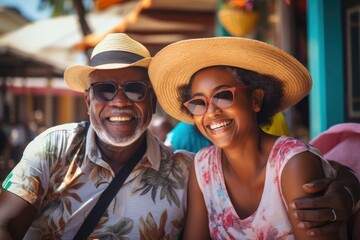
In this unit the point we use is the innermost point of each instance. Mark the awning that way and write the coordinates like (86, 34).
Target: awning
(39, 86)
(51, 41)
(17, 63)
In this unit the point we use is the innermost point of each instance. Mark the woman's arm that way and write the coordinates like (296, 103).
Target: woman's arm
(315, 213)
(300, 169)
(196, 224)
(16, 216)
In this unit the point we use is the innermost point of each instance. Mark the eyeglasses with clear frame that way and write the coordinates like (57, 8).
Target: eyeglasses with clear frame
(223, 98)
(135, 91)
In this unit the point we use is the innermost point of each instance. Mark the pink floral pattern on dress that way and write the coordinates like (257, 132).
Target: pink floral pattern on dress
(270, 220)
(206, 177)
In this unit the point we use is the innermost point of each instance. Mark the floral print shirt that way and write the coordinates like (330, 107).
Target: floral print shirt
(63, 174)
(270, 220)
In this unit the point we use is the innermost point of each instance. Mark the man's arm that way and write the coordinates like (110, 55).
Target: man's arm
(340, 195)
(16, 216)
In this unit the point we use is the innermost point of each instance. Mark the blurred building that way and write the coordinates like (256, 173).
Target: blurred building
(322, 34)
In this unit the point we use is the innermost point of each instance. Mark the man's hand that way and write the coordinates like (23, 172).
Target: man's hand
(324, 214)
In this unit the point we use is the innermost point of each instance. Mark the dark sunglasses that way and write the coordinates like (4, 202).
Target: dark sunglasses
(106, 91)
(223, 98)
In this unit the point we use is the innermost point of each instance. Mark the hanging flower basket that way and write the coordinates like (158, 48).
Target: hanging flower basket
(238, 17)
(238, 22)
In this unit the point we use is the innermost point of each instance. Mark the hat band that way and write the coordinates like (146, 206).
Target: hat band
(114, 57)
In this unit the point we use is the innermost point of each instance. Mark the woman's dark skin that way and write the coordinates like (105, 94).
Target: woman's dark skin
(315, 213)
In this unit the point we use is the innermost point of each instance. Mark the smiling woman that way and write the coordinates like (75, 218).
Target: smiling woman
(241, 187)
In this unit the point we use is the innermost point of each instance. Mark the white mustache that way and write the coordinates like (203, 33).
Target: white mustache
(116, 112)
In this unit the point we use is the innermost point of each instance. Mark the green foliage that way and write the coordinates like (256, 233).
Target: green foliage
(64, 7)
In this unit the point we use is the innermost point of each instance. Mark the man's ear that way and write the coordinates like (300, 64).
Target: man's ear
(87, 100)
(154, 101)
(258, 96)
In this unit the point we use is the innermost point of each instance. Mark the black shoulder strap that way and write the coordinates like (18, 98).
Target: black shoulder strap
(109, 193)
(87, 125)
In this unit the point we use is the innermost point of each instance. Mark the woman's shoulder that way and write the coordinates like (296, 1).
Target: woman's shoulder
(207, 156)
(286, 144)
(285, 148)
(205, 152)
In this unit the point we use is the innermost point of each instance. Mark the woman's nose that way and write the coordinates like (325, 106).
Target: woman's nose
(212, 108)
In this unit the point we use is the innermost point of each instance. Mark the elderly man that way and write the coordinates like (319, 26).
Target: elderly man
(68, 170)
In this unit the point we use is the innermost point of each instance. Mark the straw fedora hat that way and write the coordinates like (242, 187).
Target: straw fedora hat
(174, 65)
(116, 50)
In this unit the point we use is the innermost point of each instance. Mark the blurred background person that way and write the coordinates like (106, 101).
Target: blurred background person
(160, 126)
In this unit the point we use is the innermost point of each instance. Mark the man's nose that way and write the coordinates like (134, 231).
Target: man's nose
(120, 97)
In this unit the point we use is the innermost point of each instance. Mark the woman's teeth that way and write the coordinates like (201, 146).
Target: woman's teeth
(219, 125)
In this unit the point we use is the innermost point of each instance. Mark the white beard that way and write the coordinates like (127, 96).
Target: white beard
(116, 142)
(121, 142)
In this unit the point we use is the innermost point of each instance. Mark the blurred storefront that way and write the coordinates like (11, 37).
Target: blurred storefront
(33, 57)
(333, 53)
(323, 35)
(23, 96)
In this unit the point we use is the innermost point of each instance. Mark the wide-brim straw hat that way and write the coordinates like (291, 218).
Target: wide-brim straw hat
(116, 50)
(174, 65)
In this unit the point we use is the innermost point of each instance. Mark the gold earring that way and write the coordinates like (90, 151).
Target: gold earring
(257, 108)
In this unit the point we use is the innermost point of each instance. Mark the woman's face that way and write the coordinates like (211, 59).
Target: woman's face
(227, 126)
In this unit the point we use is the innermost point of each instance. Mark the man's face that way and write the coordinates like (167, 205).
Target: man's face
(120, 121)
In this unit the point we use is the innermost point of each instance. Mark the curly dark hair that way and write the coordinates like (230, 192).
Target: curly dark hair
(272, 87)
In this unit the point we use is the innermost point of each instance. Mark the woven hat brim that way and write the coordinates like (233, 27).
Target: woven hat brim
(76, 77)
(174, 65)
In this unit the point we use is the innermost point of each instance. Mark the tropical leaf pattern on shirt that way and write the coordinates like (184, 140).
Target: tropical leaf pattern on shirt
(100, 175)
(64, 184)
(57, 206)
(149, 230)
(116, 232)
(171, 175)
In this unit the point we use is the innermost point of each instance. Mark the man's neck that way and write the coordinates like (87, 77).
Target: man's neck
(117, 157)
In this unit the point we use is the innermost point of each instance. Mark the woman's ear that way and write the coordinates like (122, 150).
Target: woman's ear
(258, 96)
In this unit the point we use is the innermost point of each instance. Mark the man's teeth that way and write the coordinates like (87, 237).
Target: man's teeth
(219, 125)
(120, 119)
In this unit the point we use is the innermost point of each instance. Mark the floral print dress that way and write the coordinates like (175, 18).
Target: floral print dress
(270, 220)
